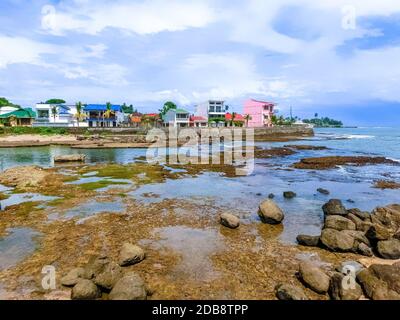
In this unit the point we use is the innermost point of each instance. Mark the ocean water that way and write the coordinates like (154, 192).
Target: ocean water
(242, 195)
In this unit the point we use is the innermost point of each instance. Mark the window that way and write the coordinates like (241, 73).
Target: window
(43, 113)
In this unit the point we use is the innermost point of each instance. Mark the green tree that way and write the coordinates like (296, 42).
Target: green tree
(4, 102)
(127, 109)
(79, 115)
(55, 101)
(167, 106)
(109, 112)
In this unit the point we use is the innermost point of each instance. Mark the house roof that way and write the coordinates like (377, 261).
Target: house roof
(20, 114)
(136, 119)
(262, 102)
(179, 110)
(102, 107)
(197, 119)
(238, 117)
(151, 114)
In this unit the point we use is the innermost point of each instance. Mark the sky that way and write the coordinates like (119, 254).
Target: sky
(337, 58)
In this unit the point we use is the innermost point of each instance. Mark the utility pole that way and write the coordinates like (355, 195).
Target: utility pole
(291, 114)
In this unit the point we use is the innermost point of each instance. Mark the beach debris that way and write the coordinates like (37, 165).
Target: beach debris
(70, 158)
(269, 212)
(130, 254)
(289, 292)
(229, 220)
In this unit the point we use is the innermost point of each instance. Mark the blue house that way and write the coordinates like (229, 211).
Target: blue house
(97, 115)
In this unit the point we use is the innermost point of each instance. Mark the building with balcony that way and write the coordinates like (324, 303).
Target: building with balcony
(56, 115)
(97, 115)
(260, 113)
(212, 110)
(176, 118)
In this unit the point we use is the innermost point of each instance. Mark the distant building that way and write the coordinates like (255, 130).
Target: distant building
(97, 115)
(17, 117)
(56, 115)
(260, 112)
(198, 121)
(212, 110)
(176, 118)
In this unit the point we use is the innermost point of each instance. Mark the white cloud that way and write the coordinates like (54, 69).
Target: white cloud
(144, 17)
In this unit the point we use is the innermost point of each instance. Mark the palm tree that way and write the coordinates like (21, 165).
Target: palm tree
(79, 115)
(247, 117)
(109, 112)
(145, 120)
(233, 118)
(54, 111)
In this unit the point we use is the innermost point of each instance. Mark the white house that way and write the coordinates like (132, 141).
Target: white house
(176, 118)
(57, 115)
(212, 109)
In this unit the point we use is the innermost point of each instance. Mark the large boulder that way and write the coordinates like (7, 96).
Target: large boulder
(109, 276)
(337, 240)
(381, 282)
(389, 249)
(130, 254)
(269, 212)
(70, 158)
(344, 288)
(377, 232)
(334, 207)
(229, 220)
(364, 250)
(314, 277)
(289, 292)
(306, 240)
(95, 266)
(85, 290)
(363, 215)
(72, 277)
(388, 216)
(339, 223)
(130, 287)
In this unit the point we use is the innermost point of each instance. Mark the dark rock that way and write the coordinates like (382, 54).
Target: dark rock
(323, 191)
(271, 196)
(130, 254)
(306, 240)
(334, 207)
(363, 215)
(344, 287)
(85, 290)
(109, 276)
(229, 220)
(350, 201)
(389, 249)
(377, 233)
(72, 277)
(289, 292)
(269, 212)
(289, 194)
(337, 240)
(339, 223)
(314, 277)
(130, 287)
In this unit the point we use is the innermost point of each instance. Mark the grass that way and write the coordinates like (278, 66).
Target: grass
(99, 184)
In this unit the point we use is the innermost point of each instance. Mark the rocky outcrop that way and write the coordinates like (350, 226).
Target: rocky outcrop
(303, 147)
(273, 152)
(85, 290)
(269, 212)
(24, 176)
(289, 292)
(109, 276)
(130, 254)
(339, 223)
(72, 277)
(334, 207)
(342, 288)
(229, 220)
(130, 287)
(383, 184)
(337, 240)
(389, 249)
(332, 162)
(381, 282)
(70, 158)
(314, 277)
(95, 266)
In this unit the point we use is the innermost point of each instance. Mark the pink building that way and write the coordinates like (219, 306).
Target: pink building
(260, 113)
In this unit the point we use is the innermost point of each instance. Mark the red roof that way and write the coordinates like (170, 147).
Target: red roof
(197, 119)
(238, 117)
(151, 114)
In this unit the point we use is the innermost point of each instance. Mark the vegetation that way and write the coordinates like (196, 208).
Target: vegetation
(281, 121)
(54, 112)
(167, 106)
(79, 115)
(55, 101)
(247, 118)
(99, 184)
(33, 130)
(128, 109)
(5, 103)
(324, 122)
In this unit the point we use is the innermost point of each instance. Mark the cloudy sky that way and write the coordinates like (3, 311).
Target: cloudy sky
(340, 58)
